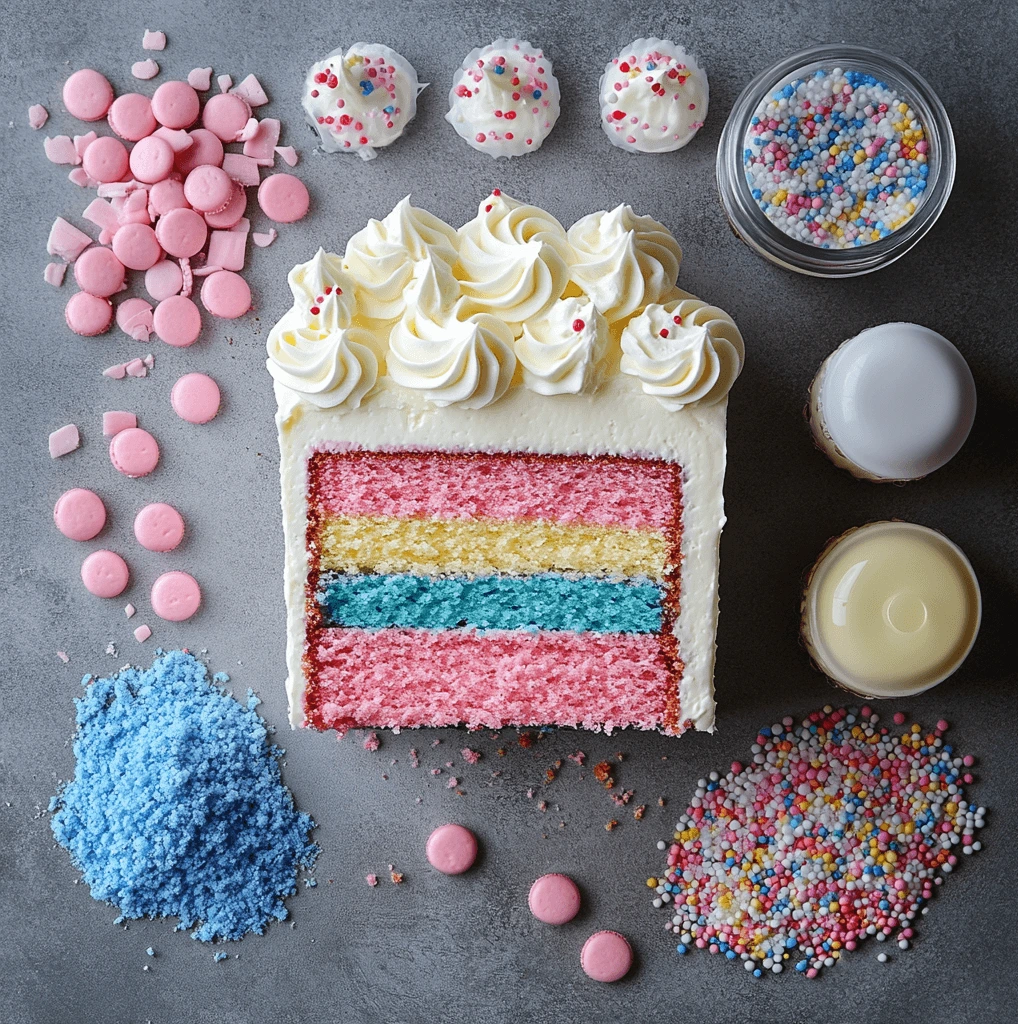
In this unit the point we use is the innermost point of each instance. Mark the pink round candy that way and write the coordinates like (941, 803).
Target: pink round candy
(134, 452)
(451, 849)
(182, 232)
(79, 514)
(87, 95)
(231, 213)
(98, 272)
(128, 310)
(166, 195)
(177, 321)
(606, 956)
(175, 596)
(225, 115)
(137, 247)
(205, 148)
(106, 159)
(554, 899)
(208, 188)
(175, 105)
(195, 398)
(104, 574)
(283, 198)
(130, 117)
(88, 315)
(159, 527)
(151, 159)
(164, 279)
(226, 294)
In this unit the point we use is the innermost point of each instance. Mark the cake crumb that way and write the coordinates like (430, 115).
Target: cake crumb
(530, 794)
(415, 761)
(603, 774)
(639, 812)
(371, 741)
(62, 655)
(622, 798)
(470, 756)
(542, 806)
(549, 775)
(452, 783)
(660, 801)
(396, 876)
(579, 757)
(611, 825)
(526, 740)
(436, 771)
(435, 743)
(372, 880)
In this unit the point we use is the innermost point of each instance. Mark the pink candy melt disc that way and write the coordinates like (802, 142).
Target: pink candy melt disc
(134, 452)
(175, 596)
(159, 527)
(208, 188)
(205, 148)
(177, 321)
(554, 899)
(87, 95)
(606, 956)
(451, 849)
(137, 247)
(88, 315)
(195, 398)
(104, 574)
(79, 514)
(181, 232)
(164, 279)
(226, 294)
(283, 198)
(175, 105)
(151, 159)
(99, 272)
(225, 116)
(130, 116)
(106, 160)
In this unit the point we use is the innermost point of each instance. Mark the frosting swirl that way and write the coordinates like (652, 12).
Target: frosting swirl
(329, 367)
(560, 351)
(381, 256)
(683, 352)
(623, 261)
(322, 292)
(467, 362)
(513, 260)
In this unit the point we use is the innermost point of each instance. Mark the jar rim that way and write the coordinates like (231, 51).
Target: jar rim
(751, 224)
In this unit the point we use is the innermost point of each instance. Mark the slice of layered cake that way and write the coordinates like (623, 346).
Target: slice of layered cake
(503, 451)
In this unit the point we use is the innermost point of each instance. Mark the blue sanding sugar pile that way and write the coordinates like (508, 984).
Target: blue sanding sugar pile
(177, 807)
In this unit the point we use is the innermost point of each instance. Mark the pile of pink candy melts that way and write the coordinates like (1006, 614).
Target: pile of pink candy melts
(171, 183)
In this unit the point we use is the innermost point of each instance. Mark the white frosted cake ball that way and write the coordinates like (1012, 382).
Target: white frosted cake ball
(653, 97)
(362, 100)
(504, 99)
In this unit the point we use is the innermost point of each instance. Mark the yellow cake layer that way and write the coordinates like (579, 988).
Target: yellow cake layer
(476, 546)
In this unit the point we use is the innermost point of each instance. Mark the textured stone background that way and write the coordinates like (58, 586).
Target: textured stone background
(466, 949)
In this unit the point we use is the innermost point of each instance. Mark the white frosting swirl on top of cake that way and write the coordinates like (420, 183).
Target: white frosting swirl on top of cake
(683, 352)
(623, 261)
(450, 360)
(561, 351)
(322, 292)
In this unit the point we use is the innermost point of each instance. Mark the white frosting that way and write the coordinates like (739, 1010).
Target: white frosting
(322, 292)
(560, 352)
(451, 361)
(653, 97)
(362, 100)
(504, 99)
(683, 352)
(623, 261)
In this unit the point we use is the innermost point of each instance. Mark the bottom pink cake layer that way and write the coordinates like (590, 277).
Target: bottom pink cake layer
(411, 677)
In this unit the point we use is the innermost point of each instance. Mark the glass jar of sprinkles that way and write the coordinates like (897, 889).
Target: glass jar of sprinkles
(835, 161)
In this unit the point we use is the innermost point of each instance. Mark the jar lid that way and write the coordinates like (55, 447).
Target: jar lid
(898, 401)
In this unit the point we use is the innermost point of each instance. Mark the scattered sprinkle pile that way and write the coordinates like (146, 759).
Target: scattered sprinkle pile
(177, 807)
(837, 831)
(836, 160)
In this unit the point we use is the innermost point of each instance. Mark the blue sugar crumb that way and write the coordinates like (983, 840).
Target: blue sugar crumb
(219, 957)
(177, 807)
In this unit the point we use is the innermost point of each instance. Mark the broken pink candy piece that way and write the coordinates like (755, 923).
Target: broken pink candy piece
(224, 82)
(175, 105)
(142, 633)
(131, 116)
(289, 155)
(79, 514)
(283, 198)
(116, 372)
(264, 238)
(163, 280)
(262, 145)
(88, 315)
(188, 276)
(54, 274)
(242, 169)
(134, 317)
(178, 139)
(159, 527)
(200, 79)
(60, 150)
(66, 241)
(62, 655)
(136, 368)
(87, 95)
(80, 178)
(242, 225)
(177, 321)
(153, 40)
(117, 189)
(82, 142)
(129, 610)
(149, 360)
(248, 131)
(63, 441)
(195, 398)
(251, 90)
(225, 115)
(175, 596)
(226, 249)
(134, 452)
(105, 574)
(205, 270)
(100, 213)
(145, 69)
(38, 115)
(226, 295)
(114, 422)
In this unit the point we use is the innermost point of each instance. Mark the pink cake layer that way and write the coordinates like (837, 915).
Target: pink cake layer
(411, 677)
(600, 490)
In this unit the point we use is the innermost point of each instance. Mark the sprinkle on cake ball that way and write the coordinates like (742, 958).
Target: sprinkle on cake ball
(838, 829)
(836, 160)
(653, 97)
(504, 99)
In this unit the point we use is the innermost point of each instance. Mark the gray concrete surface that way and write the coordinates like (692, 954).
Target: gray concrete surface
(466, 949)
